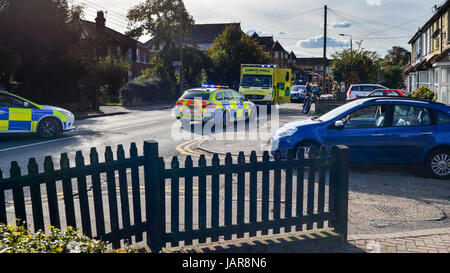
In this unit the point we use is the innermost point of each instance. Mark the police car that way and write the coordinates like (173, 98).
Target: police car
(214, 102)
(18, 115)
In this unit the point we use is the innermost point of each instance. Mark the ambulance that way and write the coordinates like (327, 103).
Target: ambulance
(266, 84)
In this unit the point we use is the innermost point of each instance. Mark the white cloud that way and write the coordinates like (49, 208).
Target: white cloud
(374, 2)
(335, 24)
(340, 24)
(259, 32)
(317, 42)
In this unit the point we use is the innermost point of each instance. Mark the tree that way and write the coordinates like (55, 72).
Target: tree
(161, 20)
(357, 66)
(392, 71)
(397, 56)
(38, 32)
(231, 49)
(393, 77)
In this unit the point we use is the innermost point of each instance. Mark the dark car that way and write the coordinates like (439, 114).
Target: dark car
(378, 130)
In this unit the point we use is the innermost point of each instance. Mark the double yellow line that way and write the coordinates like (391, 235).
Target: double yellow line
(186, 148)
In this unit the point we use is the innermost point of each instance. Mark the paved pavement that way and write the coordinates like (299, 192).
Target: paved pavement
(120, 110)
(420, 241)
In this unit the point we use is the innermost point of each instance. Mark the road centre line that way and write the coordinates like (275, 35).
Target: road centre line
(67, 138)
(35, 144)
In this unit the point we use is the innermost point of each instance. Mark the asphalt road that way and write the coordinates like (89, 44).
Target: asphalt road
(137, 126)
(382, 198)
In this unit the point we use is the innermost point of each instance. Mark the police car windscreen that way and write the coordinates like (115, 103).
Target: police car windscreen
(256, 81)
(196, 96)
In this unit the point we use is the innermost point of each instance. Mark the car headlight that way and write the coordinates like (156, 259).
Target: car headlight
(285, 132)
(67, 113)
(270, 95)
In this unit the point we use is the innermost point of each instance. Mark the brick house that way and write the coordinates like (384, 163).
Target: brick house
(430, 61)
(315, 63)
(277, 54)
(202, 36)
(101, 41)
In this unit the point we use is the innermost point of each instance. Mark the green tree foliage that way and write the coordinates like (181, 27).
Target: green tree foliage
(37, 31)
(357, 66)
(397, 56)
(161, 20)
(231, 49)
(106, 78)
(393, 77)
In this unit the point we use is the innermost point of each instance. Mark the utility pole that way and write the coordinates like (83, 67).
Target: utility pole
(325, 46)
(181, 47)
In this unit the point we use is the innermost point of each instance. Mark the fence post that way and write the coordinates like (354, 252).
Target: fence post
(340, 173)
(153, 196)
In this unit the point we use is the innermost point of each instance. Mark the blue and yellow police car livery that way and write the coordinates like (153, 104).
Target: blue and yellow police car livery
(214, 102)
(19, 115)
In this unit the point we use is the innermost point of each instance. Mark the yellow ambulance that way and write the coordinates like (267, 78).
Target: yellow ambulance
(266, 84)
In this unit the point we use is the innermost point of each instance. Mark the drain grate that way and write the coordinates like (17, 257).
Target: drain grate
(389, 210)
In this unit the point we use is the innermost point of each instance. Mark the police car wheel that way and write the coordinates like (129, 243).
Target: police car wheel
(49, 128)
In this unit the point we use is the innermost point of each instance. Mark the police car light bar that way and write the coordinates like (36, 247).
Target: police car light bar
(214, 86)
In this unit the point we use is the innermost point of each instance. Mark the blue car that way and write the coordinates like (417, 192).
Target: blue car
(377, 130)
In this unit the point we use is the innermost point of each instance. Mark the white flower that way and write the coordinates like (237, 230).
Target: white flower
(74, 247)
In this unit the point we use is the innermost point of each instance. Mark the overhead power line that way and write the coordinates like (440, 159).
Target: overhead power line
(283, 17)
(373, 21)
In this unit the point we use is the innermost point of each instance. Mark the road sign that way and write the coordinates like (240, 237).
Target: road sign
(176, 64)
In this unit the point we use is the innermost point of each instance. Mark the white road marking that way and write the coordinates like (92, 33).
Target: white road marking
(35, 144)
(67, 138)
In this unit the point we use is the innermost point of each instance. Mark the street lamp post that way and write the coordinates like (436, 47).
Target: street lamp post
(351, 40)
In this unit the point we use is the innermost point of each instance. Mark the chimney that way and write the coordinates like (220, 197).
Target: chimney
(100, 20)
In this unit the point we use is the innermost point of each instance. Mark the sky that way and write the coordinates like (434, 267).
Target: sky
(298, 24)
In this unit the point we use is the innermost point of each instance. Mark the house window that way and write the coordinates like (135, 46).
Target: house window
(145, 57)
(110, 51)
(138, 55)
(119, 52)
(277, 55)
(130, 55)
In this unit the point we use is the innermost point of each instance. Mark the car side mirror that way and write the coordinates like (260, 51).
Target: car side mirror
(339, 124)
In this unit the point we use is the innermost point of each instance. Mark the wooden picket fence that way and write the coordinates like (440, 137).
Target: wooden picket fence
(166, 212)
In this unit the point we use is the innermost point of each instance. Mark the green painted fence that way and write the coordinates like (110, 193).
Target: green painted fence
(124, 199)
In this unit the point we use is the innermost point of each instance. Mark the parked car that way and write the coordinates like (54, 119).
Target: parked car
(298, 93)
(377, 130)
(19, 115)
(362, 90)
(385, 93)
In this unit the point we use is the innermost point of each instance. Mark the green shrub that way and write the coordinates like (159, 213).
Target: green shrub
(106, 78)
(143, 90)
(19, 240)
(424, 93)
